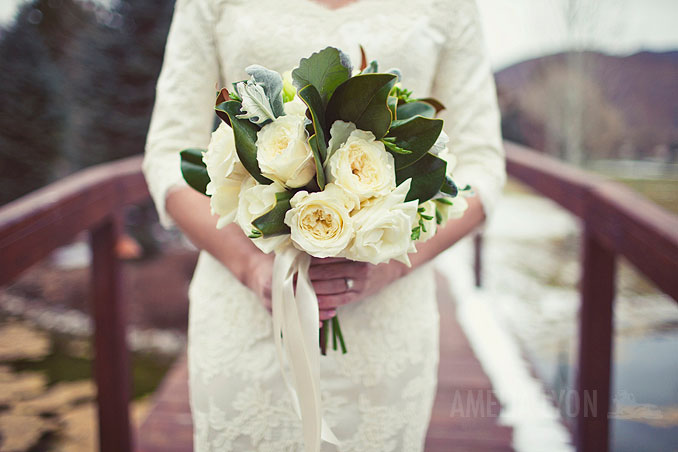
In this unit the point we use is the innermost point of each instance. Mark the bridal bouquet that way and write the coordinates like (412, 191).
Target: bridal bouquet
(325, 161)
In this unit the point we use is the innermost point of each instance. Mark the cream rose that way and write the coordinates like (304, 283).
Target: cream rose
(256, 200)
(451, 208)
(226, 174)
(383, 228)
(283, 152)
(295, 107)
(362, 166)
(320, 222)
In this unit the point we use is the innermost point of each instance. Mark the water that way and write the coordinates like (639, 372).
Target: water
(532, 268)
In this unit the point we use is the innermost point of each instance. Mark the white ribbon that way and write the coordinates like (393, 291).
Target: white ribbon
(295, 328)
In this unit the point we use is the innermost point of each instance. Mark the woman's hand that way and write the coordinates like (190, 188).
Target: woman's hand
(331, 278)
(259, 278)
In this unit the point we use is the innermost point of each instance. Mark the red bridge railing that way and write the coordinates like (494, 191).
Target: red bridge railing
(616, 222)
(33, 226)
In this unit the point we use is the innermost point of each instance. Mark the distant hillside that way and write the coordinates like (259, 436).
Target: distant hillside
(628, 105)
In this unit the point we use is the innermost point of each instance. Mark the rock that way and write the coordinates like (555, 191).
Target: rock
(18, 341)
(15, 387)
(20, 432)
(80, 431)
(59, 398)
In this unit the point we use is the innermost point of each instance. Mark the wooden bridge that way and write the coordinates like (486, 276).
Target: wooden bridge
(617, 222)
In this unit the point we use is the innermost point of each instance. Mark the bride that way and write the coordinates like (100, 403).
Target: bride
(377, 397)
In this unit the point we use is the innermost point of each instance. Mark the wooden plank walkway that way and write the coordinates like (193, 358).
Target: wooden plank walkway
(465, 412)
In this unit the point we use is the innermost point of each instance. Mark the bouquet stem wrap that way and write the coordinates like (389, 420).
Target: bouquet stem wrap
(295, 331)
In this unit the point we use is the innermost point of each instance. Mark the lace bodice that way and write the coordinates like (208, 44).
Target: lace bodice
(436, 44)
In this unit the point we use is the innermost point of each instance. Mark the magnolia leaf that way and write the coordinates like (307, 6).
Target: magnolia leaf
(417, 108)
(194, 169)
(449, 187)
(245, 134)
(427, 175)
(319, 172)
(311, 97)
(363, 58)
(255, 104)
(417, 135)
(362, 100)
(393, 106)
(325, 70)
(435, 102)
(273, 221)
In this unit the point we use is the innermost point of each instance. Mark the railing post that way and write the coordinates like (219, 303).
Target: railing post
(478, 258)
(111, 365)
(595, 345)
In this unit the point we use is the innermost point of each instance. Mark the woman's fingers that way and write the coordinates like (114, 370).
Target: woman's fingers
(338, 270)
(326, 314)
(327, 302)
(332, 286)
(327, 260)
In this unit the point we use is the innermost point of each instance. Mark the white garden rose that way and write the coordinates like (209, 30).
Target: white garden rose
(430, 226)
(383, 228)
(283, 152)
(295, 107)
(255, 200)
(226, 174)
(320, 223)
(362, 166)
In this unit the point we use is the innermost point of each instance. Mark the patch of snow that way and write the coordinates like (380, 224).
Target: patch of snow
(525, 407)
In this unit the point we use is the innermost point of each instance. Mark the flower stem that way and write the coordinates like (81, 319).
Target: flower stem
(337, 331)
(323, 337)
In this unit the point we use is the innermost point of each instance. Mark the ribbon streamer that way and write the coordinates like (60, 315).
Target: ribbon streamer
(295, 330)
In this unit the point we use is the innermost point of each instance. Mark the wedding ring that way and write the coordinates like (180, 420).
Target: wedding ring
(349, 283)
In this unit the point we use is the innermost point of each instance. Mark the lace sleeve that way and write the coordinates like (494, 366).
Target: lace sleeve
(464, 83)
(183, 115)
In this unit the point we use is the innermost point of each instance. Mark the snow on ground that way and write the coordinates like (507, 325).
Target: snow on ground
(535, 421)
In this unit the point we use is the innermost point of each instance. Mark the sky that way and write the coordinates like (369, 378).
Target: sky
(520, 29)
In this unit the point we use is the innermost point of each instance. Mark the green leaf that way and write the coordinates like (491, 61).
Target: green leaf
(389, 143)
(449, 187)
(417, 135)
(362, 100)
(245, 134)
(427, 176)
(319, 171)
(325, 70)
(435, 102)
(393, 106)
(412, 109)
(273, 221)
(194, 169)
(311, 97)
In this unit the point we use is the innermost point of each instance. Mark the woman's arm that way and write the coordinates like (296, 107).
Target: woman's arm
(190, 210)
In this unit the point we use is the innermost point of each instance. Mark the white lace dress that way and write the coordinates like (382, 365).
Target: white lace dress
(378, 397)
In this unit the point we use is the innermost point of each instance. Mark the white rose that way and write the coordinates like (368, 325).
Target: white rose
(255, 200)
(429, 225)
(283, 152)
(320, 222)
(362, 166)
(383, 228)
(451, 208)
(440, 145)
(226, 174)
